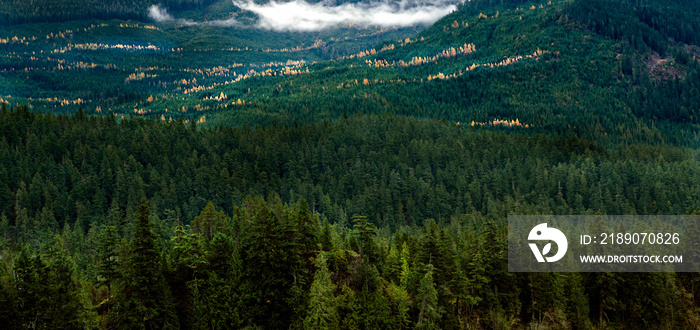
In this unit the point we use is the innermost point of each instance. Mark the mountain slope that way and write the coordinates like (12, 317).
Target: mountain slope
(548, 65)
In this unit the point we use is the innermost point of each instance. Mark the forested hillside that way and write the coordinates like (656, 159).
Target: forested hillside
(617, 72)
(552, 65)
(195, 173)
(35, 11)
(370, 222)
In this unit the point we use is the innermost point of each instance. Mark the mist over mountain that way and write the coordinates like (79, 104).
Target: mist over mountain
(299, 15)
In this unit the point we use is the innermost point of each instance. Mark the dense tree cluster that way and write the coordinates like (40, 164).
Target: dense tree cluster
(318, 216)
(275, 265)
(642, 23)
(611, 87)
(82, 170)
(22, 12)
(146, 224)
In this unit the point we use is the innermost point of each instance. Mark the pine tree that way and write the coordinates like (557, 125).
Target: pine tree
(8, 313)
(220, 294)
(427, 299)
(144, 300)
(326, 239)
(209, 222)
(405, 271)
(322, 311)
(188, 253)
(266, 273)
(577, 307)
(301, 231)
(31, 291)
(365, 232)
(108, 268)
(68, 308)
(400, 305)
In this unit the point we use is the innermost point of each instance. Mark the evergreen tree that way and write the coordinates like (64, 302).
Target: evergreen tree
(267, 276)
(108, 268)
(8, 313)
(326, 239)
(322, 311)
(405, 271)
(209, 222)
(365, 232)
(144, 300)
(67, 308)
(220, 293)
(31, 291)
(427, 300)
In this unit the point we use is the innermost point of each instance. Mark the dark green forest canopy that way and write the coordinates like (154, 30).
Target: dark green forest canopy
(396, 170)
(370, 192)
(22, 12)
(400, 224)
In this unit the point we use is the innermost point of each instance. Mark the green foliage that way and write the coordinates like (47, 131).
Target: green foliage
(108, 269)
(210, 222)
(427, 299)
(20, 12)
(365, 233)
(267, 277)
(322, 312)
(144, 298)
(607, 94)
(405, 270)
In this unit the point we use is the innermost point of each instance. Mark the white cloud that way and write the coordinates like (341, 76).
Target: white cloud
(299, 15)
(159, 14)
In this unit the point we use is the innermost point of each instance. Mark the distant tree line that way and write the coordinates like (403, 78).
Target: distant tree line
(23, 12)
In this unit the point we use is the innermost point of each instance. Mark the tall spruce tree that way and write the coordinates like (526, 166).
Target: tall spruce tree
(108, 268)
(266, 273)
(31, 293)
(144, 300)
(427, 300)
(322, 311)
(67, 307)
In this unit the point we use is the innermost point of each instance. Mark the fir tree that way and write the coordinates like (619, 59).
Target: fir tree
(209, 222)
(108, 268)
(68, 308)
(144, 300)
(428, 301)
(31, 291)
(405, 271)
(322, 311)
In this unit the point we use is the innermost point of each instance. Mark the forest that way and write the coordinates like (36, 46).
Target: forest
(370, 221)
(184, 175)
(22, 12)
(614, 76)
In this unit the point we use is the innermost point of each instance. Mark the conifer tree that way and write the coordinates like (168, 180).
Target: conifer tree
(67, 307)
(108, 268)
(365, 232)
(31, 295)
(405, 271)
(266, 273)
(427, 300)
(220, 294)
(322, 311)
(326, 239)
(144, 300)
(8, 313)
(209, 222)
